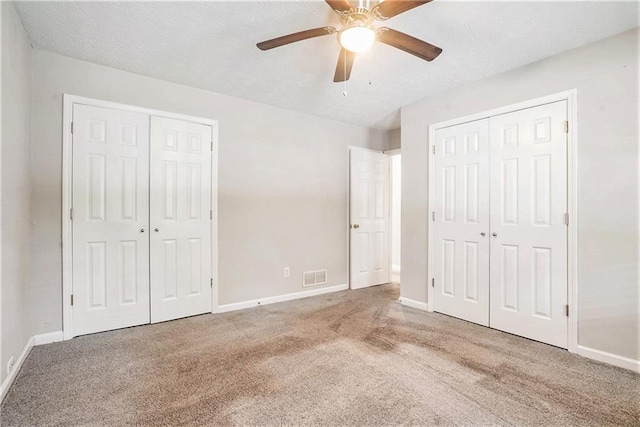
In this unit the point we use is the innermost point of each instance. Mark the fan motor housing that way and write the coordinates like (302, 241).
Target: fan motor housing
(357, 14)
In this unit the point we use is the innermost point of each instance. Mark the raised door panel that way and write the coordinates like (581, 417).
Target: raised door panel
(195, 262)
(194, 191)
(181, 264)
(449, 267)
(508, 192)
(129, 272)
(470, 273)
(509, 277)
(97, 187)
(128, 199)
(169, 196)
(96, 275)
(528, 205)
(542, 281)
(449, 194)
(169, 273)
(110, 204)
(471, 207)
(461, 250)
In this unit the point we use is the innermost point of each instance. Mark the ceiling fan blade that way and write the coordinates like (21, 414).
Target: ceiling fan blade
(390, 8)
(345, 64)
(409, 44)
(339, 5)
(295, 37)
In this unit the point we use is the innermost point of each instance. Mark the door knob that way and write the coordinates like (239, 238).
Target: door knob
(356, 225)
(483, 234)
(495, 234)
(142, 230)
(156, 229)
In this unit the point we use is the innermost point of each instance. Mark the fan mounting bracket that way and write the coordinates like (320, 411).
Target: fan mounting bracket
(357, 14)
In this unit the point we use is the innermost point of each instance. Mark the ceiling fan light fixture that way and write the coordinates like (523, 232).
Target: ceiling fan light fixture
(359, 34)
(357, 38)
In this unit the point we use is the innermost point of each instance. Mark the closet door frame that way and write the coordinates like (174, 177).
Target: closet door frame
(68, 101)
(572, 192)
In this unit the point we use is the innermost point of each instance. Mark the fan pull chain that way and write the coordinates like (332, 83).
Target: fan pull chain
(369, 58)
(369, 64)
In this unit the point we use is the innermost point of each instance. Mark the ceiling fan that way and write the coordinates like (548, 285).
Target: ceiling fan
(358, 33)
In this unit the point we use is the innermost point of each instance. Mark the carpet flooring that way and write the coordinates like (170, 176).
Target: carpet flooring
(347, 358)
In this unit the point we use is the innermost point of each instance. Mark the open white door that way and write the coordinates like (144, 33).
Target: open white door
(369, 218)
(180, 200)
(528, 230)
(110, 219)
(461, 219)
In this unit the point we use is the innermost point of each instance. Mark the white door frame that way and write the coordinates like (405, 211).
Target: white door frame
(349, 149)
(572, 192)
(391, 153)
(68, 102)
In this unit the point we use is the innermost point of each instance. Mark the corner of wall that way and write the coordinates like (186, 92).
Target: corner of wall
(394, 141)
(1, 60)
(15, 82)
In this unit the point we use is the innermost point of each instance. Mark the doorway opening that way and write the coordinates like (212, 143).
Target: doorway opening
(396, 205)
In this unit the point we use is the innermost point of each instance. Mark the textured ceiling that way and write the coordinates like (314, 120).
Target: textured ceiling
(211, 45)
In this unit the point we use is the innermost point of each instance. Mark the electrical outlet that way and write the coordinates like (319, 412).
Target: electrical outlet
(10, 365)
(287, 272)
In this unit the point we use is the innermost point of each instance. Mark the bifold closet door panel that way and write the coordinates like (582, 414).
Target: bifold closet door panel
(461, 225)
(110, 219)
(529, 234)
(180, 201)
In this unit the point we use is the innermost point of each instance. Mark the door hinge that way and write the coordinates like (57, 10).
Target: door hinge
(211, 145)
(212, 282)
(566, 126)
(72, 127)
(71, 299)
(566, 219)
(211, 214)
(433, 282)
(566, 310)
(71, 214)
(433, 149)
(433, 216)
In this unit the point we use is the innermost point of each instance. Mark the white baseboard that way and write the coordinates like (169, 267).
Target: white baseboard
(610, 358)
(48, 338)
(280, 298)
(6, 384)
(413, 303)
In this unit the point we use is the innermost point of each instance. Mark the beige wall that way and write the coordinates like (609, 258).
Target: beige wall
(394, 139)
(16, 94)
(282, 182)
(606, 77)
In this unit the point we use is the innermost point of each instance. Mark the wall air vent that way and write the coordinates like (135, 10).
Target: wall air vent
(313, 278)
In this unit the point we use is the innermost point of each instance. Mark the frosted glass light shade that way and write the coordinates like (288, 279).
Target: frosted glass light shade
(357, 38)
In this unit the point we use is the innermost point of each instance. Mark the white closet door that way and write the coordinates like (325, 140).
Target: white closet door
(110, 219)
(369, 211)
(180, 174)
(461, 232)
(529, 235)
